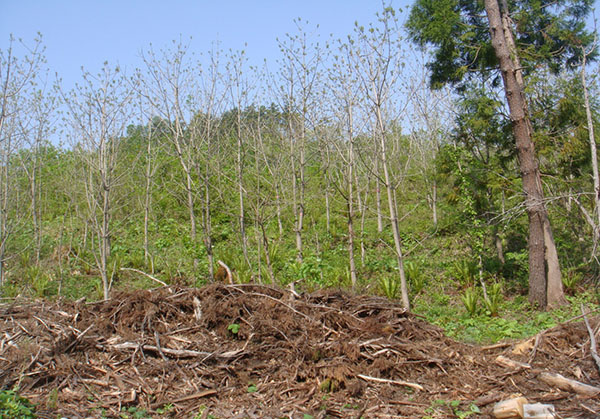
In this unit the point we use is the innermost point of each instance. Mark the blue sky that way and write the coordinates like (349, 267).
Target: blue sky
(86, 33)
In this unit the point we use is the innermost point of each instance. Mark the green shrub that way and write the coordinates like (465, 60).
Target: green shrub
(14, 406)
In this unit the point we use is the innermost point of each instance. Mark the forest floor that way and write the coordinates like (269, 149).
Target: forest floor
(252, 351)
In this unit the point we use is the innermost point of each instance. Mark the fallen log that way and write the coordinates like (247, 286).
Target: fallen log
(567, 384)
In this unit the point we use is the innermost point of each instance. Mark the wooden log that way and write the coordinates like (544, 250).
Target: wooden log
(567, 384)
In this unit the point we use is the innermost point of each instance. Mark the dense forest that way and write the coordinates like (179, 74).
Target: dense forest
(382, 163)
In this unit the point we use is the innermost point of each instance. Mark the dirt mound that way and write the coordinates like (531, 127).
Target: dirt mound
(253, 351)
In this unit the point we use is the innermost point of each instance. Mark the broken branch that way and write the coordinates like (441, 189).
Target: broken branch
(568, 384)
(385, 380)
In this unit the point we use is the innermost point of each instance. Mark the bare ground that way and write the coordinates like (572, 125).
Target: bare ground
(251, 351)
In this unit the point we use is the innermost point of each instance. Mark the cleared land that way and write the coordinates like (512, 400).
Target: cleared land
(253, 351)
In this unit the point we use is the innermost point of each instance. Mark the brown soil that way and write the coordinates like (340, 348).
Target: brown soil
(327, 354)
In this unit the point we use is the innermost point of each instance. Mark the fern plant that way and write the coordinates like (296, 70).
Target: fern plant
(494, 299)
(470, 299)
(389, 286)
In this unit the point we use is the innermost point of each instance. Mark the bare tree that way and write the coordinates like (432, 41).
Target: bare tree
(300, 75)
(345, 88)
(169, 88)
(36, 125)
(98, 111)
(378, 63)
(16, 78)
(239, 90)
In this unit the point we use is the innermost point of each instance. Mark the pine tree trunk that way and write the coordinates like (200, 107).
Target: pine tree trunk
(545, 288)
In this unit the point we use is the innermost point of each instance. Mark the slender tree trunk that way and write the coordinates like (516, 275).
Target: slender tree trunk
(327, 187)
(105, 241)
(543, 290)
(378, 198)
(350, 200)
(392, 209)
(362, 204)
(296, 202)
(240, 176)
(434, 203)
(148, 194)
(207, 205)
(4, 200)
(593, 151)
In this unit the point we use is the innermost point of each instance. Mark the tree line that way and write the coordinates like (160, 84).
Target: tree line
(355, 160)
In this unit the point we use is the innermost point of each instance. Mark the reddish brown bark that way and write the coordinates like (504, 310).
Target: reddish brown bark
(545, 286)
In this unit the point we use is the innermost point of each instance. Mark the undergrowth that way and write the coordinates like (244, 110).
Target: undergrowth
(517, 319)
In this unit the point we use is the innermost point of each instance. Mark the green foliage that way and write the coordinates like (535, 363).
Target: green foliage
(494, 299)
(13, 406)
(389, 286)
(461, 47)
(570, 279)
(134, 412)
(464, 271)
(470, 298)
(415, 276)
(234, 328)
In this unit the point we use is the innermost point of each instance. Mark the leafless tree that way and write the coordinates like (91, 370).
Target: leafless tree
(300, 75)
(99, 113)
(378, 61)
(17, 82)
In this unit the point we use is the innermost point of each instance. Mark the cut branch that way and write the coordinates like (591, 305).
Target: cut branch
(385, 380)
(145, 274)
(567, 384)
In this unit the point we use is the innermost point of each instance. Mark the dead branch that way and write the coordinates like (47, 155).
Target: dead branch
(507, 362)
(178, 353)
(227, 270)
(205, 393)
(567, 384)
(593, 349)
(164, 284)
(385, 380)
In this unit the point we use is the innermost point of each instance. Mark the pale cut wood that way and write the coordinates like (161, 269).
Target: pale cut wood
(567, 384)
(385, 380)
(507, 362)
(164, 284)
(512, 408)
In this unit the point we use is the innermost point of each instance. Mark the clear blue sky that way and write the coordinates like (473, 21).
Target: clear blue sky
(86, 33)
